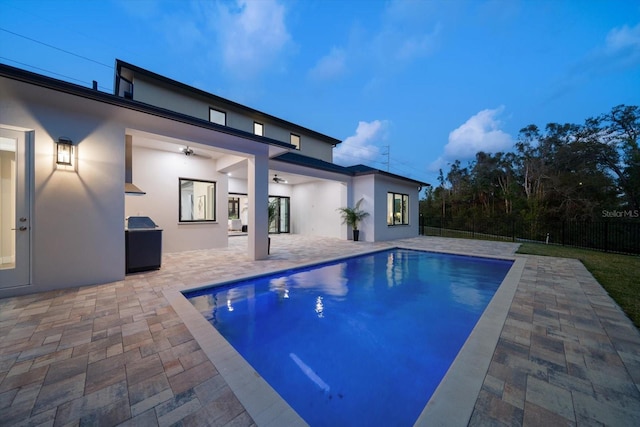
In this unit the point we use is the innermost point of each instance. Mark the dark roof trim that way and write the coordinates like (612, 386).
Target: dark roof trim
(310, 162)
(357, 170)
(226, 102)
(24, 76)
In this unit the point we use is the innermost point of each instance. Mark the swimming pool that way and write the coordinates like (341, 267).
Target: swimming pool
(364, 340)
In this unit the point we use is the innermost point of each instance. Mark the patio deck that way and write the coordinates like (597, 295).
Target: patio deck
(125, 354)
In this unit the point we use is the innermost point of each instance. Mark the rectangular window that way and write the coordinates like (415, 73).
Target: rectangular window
(397, 209)
(258, 128)
(295, 140)
(197, 200)
(217, 116)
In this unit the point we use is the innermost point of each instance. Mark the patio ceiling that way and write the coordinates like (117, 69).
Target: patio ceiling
(236, 162)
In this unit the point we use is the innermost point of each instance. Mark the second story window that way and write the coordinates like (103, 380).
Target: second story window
(258, 128)
(295, 140)
(217, 116)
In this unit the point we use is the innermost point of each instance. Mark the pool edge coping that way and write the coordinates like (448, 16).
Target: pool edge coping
(267, 408)
(454, 399)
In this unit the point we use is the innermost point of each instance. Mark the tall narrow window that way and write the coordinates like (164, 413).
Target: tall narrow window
(280, 223)
(258, 128)
(217, 116)
(295, 140)
(397, 209)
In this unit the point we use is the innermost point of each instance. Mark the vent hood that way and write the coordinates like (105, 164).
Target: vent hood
(129, 187)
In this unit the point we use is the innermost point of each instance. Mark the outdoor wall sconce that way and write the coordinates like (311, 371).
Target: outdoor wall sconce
(64, 151)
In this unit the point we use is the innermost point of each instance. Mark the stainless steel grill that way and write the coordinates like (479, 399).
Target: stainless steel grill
(143, 244)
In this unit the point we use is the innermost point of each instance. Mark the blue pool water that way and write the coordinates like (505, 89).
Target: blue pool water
(360, 341)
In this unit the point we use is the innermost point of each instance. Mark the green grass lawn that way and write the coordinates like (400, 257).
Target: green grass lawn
(618, 274)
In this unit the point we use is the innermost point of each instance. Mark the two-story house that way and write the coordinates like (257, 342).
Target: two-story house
(76, 162)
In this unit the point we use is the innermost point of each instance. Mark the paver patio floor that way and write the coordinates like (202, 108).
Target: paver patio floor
(120, 354)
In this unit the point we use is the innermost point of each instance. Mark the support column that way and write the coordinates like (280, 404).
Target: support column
(258, 189)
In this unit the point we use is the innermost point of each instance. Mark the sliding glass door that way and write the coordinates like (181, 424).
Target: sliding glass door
(281, 223)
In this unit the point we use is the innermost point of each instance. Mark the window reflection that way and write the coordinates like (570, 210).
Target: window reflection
(319, 307)
(197, 200)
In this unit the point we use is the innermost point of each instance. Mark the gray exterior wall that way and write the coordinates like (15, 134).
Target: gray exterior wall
(374, 188)
(161, 95)
(77, 221)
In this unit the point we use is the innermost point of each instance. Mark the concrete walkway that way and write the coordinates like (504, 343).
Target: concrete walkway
(120, 353)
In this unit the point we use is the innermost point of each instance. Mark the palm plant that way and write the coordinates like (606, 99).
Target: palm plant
(273, 211)
(353, 216)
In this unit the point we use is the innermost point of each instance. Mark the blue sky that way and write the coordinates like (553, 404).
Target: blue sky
(406, 85)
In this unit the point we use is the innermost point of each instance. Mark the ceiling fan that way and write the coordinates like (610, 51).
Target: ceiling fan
(188, 151)
(279, 180)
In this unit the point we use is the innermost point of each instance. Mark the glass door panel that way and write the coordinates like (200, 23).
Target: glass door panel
(14, 211)
(284, 215)
(8, 147)
(281, 222)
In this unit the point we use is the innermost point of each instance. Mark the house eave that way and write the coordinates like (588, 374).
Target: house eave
(225, 102)
(28, 77)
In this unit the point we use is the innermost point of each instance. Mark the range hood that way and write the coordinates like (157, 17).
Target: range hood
(129, 187)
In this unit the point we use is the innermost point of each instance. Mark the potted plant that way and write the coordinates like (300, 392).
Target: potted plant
(352, 216)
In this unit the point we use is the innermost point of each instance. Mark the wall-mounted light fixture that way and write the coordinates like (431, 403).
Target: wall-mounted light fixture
(64, 151)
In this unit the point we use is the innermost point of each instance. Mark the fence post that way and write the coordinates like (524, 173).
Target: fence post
(513, 230)
(473, 227)
(562, 232)
(606, 236)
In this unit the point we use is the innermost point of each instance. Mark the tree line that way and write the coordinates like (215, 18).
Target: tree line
(563, 172)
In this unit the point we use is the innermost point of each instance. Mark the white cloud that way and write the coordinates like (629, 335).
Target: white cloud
(330, 66)
(481, 132)
(417, 45)
(622, 38)
(407, 32)
(620, 50)
(404, 34)
(361, 148)
(252, 34)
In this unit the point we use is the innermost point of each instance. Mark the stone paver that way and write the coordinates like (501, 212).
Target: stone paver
(561, 351)
(119, 354)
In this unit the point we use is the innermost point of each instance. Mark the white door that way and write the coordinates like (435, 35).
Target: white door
(15, 224)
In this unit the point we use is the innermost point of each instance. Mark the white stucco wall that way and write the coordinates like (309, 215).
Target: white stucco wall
(237, 185)
(282, 190)
(364, 188)
(385, 185)
(76, 227)
(314, 208)
(156, 172)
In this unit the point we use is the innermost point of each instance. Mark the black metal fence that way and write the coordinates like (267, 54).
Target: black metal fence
(609, 236)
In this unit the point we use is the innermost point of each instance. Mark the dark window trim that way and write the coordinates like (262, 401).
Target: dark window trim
(219, 111)
(288, 224)
(291, 135)
(214, 202)
(394, 223)
(254, 128)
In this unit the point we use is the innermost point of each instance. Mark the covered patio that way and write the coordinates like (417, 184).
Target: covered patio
(127, 353)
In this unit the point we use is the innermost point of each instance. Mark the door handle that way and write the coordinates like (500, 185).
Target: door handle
(21, 228)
